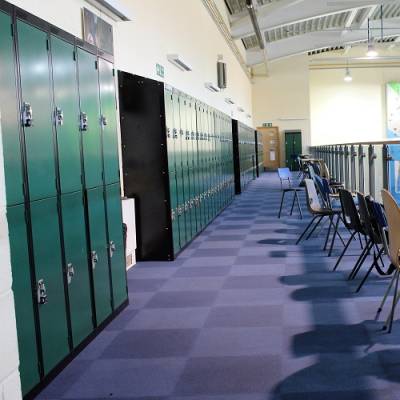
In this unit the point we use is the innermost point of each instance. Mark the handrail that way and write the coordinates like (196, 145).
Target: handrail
(386, 141)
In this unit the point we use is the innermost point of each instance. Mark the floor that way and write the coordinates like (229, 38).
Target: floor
(243, 314)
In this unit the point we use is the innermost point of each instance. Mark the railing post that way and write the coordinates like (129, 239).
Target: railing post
(346, 167)
(371, 158)
(386, 158)
(353, 155)
(361, 172)
(341, 158)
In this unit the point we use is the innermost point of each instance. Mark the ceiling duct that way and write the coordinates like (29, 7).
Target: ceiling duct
(253, 17)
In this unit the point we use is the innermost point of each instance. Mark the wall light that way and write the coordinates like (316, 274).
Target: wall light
(348, 77)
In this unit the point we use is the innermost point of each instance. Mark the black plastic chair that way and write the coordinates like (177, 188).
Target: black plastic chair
(351, 220)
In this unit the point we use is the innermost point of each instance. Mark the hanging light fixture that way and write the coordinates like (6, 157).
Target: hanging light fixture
(371, 52)
(347, 76)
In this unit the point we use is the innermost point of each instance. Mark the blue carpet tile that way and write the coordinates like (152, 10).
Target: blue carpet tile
(244, 314)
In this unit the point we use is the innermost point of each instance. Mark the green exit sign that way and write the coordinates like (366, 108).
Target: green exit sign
(267, 125)
(160, 70)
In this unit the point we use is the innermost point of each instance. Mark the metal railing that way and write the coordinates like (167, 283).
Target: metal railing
(367, 167)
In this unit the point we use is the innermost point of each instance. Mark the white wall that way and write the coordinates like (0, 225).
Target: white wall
(183, 27)
(349, 112)
(283, 98)
(9, 360)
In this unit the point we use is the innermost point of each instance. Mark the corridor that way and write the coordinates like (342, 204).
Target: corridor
(243, 314)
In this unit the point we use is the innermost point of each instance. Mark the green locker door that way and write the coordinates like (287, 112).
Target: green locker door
(9, 116)
(172, 168)
(22, 288)
(35, 86)
(89, 109)
(293, 148)
(76, 266)
(116, 244)
(66, 101)
(98, 253)
(50, 278)
(109, 121)
(198, 160)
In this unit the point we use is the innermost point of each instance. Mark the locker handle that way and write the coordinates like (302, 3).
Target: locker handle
(83, 122)
(104, 121)
(112, 248)
(27, 115)
(41, 292)
(59, 116)
(70, 273)
(95, 259)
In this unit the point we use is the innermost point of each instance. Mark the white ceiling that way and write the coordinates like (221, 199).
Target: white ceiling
(291, 27)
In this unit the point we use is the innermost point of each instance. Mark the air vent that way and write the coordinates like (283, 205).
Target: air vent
(210, 86)
(229, 100)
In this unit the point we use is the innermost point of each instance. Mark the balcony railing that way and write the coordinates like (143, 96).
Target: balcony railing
(365, 167)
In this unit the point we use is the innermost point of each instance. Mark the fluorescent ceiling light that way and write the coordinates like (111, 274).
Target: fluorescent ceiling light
(240, 109)
(177, 60)
(229, 100)
(248, 115)
(210, 86)
(348, 77)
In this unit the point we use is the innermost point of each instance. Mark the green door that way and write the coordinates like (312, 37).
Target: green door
(116, 244)
(109, 121)
(169, 118)
(66, 112)
(293, 148)
(76, 266)
(50, 281)
(98, 253)
(35, 98)
(9, 116)
(89, 109)
(22, 288)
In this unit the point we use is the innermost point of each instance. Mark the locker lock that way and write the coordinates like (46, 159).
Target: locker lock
(173, 215)
(41, 292)
(83, 122)
(70, 273)
(27, 115)
(175, 133)
(104, 121)
(111, 248)
(95, 259)
(59, 116)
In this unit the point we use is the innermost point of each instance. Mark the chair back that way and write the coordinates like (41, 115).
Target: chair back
(350, 214)
(324, 195)
(325, 171)
(366, 219)
(313, 203)
(393, 218)
(378, 219)
(284, 173)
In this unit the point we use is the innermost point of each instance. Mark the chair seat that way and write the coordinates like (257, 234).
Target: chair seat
(326, 211)
(293, 189)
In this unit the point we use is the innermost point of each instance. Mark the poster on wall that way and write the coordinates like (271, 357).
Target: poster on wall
(393, 132)
(97, 32)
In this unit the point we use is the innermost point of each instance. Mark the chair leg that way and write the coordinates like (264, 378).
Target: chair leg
(329, 232)
(344, 251)
(386, 295)
(298, 205)
(294, 198)
(365, 277)
(360, 261)
(280, 208)
(335, 232)
(305, 230)
(359, 238)
(394, 303)
(314, 227)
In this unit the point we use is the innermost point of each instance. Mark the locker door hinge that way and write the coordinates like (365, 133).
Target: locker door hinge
(96, 64)
(113, 71)
(74, 55)
(47, 45)
(12, 29)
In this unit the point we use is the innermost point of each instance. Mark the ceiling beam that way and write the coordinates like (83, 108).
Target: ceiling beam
(284, 12)
(312, 41)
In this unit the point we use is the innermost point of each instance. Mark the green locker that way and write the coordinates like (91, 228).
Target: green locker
(178, 133)
(172, 168)
(109, 122)
(192, 165)
(76, 266)
(116, 249)
(50, 282)
(22, 288)
(89, 119)
(66, 113)
(199, 183)
(36, 113)
(98, 253)
(9, 116)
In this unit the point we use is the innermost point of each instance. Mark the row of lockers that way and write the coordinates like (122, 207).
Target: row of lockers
(58, 116)
(178, 161)
(200, 164)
